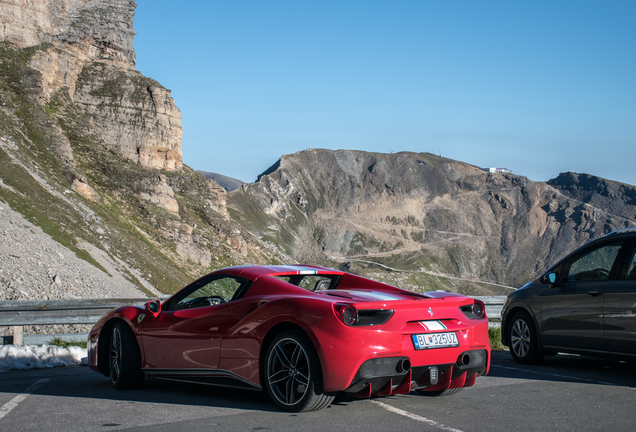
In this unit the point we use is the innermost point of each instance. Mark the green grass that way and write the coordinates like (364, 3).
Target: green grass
(495, 339)
(58, 341)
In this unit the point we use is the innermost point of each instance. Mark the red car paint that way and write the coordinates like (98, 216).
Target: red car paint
(229, 340)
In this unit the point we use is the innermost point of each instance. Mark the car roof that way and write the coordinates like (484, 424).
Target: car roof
(254, 272)
(628, 230)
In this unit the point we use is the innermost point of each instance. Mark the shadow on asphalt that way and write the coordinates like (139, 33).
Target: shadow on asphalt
(81, 382)
(566, 368)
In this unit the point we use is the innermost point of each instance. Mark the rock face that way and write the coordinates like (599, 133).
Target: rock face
(135, 115)
(423, 213)
(90, 152)
(93, 30)
(161, 194)
(85, 51)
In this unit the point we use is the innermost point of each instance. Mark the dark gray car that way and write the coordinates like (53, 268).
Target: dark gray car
(584, 304)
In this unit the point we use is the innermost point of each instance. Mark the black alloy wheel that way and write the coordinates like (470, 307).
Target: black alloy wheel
(293, 377)
(124, 358)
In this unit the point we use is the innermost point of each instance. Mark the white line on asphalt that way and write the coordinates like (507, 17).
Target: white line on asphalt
(6, 408)
(415, 417)
(573, 378)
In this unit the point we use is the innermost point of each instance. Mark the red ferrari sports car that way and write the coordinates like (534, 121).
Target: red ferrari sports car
(302, 333)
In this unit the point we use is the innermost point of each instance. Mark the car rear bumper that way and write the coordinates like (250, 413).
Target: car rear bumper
(394, 375)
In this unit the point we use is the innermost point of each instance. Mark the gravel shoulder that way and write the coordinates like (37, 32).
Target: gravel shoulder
(34, 266)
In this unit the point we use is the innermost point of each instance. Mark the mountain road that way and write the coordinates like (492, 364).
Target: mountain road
(565, 393)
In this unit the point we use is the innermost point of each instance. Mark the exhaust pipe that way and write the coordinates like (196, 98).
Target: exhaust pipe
(463, 360)
(403, 366)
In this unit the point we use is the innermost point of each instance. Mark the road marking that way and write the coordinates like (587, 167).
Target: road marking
(573, 378)
(415, 417)
(6, 408)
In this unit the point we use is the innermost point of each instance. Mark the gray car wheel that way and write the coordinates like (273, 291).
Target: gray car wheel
(524, 344)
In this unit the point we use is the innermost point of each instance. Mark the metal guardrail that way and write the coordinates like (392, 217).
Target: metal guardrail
(493, 304)
(60, 312)
(18, 313)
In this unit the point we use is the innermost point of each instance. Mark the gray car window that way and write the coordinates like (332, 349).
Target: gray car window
(631, 269)
(595, 265)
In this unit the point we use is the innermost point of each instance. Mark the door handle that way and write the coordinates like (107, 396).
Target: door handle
(595, 293)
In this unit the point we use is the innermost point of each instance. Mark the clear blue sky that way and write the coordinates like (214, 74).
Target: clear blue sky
(539, 87)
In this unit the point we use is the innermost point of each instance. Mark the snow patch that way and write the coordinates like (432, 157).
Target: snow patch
(40, 357)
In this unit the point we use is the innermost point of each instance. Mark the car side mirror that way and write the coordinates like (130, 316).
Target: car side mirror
(154, 307)
(551, 278)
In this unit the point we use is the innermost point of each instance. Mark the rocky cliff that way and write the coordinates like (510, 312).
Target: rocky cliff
(84, 52)
(90, 152)
(424, 221)
(85, 29)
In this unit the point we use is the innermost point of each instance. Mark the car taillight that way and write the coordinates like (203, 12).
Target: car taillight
(477, 310)
(347, 313)
(364, 317)
(368, 317)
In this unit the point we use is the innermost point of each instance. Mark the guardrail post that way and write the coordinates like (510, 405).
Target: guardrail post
(17, 335)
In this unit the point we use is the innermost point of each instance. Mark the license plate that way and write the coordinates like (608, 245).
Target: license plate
(435, 340)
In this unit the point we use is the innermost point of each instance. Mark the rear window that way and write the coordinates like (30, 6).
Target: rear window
(314, 282)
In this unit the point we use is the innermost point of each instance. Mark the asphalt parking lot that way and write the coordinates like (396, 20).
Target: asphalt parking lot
(565, 392)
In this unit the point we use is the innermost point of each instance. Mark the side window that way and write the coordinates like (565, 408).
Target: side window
(208, 292)
(631, 268)
(594, 265)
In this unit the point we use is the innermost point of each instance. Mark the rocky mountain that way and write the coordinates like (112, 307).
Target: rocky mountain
(90, 157)
(423, 221)
(90, 153)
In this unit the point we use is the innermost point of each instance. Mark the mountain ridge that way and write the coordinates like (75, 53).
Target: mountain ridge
(419, 212)
(90, 153)
(227, 183)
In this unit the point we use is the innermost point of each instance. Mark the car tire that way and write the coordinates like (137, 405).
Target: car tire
(446, 392)
(292, 373)
(524, 343)
(124, 358)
